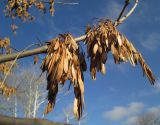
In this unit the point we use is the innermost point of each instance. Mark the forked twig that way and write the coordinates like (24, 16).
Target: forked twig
(121, 20)
(124, 7)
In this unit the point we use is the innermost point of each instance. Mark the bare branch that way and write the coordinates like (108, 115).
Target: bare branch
(124, 7)
(121, 20)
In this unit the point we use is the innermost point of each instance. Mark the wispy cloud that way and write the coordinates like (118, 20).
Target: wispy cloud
(118, 113)
(111, 10)
(154, 110)
(112, 89)
(130, 114)
(151, 42)
(131, 121)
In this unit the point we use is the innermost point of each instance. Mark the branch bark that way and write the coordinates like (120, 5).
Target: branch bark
(125, 6)
(43, 49)
(121, 20)
(5, 120)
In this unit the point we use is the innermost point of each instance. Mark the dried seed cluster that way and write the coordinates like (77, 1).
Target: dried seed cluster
(102, 39)
(36, 58)
(4, 42)
(65, 62)
(4, 67)
(5, 49)
(6, 90)
(20, 8)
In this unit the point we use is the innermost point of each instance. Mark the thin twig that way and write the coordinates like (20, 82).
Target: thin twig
(67, 3)
(14, 48)
(63, 3)
(124, 7)
(121, 20)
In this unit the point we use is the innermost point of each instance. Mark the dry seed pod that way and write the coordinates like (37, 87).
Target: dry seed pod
(103, 69)
(36, 59)
(51, 2)
(57, 45)
(75, 108)
(6, 90)
(119, 40)
(5, 45)
(65, 63)
(82, 61)
(95, 48)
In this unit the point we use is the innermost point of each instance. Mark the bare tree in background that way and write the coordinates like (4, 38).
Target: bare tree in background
(149, 118)
(31, 93)
(68, 113)
(69, 116)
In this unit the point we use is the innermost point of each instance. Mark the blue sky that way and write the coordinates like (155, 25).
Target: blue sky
(123, 93)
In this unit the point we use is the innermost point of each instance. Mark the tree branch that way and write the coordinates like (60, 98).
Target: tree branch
(121, 20)
(124, 7)
(43, 49)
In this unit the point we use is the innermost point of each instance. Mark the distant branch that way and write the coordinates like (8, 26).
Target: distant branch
(64, 3)
(67, 3)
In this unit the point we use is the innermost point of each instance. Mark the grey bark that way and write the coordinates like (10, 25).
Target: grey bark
(43, 49)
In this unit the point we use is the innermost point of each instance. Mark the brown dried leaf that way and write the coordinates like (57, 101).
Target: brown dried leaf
(65, 63)
(36, 59)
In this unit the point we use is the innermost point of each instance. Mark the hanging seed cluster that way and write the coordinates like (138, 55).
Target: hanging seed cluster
(36, 58)
(102, 39)
(20, 8)
(4, 42)
(4, 67)
(5, 49)
(6, 90)
(64, 62)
